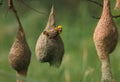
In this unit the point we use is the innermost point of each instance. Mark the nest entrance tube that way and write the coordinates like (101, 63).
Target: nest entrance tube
(49, 46)
(106, 71)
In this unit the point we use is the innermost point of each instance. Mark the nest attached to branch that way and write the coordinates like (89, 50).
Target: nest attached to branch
(50, 47)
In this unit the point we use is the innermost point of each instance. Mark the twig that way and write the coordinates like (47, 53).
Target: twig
(11, 6)
(40, 12)
(116, 16)
(53, 2)
(96, 3)
(96, 17)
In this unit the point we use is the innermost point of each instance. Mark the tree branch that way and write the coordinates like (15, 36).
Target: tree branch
(95, 17)
(97, 3)
(11, 6)
(27, 5)
(116, 16)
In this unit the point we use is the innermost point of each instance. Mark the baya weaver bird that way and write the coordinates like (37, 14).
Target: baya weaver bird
(53, 32)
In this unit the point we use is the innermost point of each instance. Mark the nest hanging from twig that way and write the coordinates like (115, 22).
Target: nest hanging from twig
(106, 34)
(49, 46)
(20, 54)
(105, 39)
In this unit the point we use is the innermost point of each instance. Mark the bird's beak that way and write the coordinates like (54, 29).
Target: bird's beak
(60, 30)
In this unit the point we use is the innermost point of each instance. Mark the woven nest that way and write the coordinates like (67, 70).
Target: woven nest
(50, 47)
(20, 54)
(106, 34)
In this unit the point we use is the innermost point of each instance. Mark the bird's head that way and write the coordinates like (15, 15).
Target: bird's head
(58, 29)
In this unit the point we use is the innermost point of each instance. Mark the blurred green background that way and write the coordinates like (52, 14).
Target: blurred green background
(80, 62)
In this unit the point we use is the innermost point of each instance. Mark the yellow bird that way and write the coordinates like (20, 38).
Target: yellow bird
(53, 32)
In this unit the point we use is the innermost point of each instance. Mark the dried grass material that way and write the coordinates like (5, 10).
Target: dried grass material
(105, 39)
(20, 54)
(106, 34)
(117, 5)
(49, 46)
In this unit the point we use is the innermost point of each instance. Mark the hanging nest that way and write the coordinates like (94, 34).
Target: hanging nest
(50, 47)
(106, 34)
(105, 39)
(20, 54)
(117, 5)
